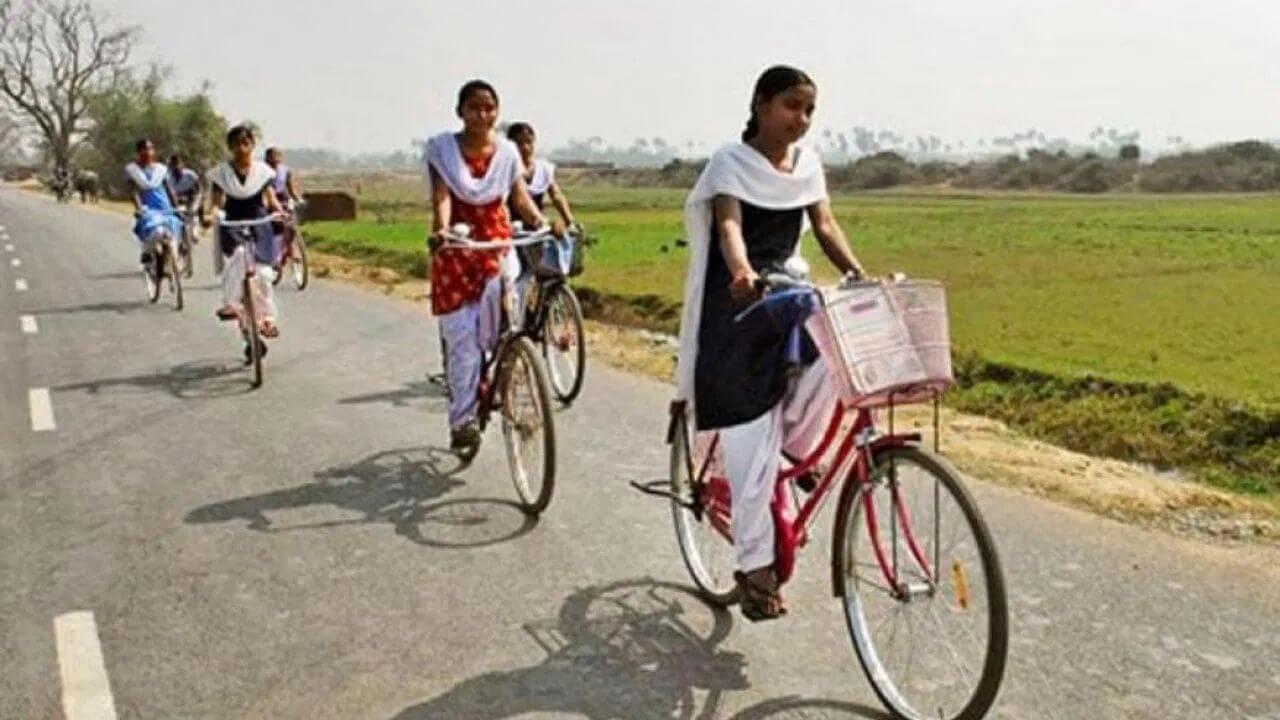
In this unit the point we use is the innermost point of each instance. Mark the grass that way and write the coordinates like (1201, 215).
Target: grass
(1173, 300)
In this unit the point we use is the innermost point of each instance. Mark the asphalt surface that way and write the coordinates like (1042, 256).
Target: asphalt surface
(309, 550)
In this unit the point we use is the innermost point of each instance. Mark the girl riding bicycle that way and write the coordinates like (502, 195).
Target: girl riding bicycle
(242, 188)
(744, 216)
(153, 201)
(471, 175)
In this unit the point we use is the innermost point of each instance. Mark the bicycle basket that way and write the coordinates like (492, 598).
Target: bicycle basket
(558, 256)
(887, 343)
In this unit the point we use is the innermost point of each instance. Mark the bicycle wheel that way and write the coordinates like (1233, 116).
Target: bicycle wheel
(252, 336)
(153, 275)
(301, 265)
(175, 276)
(563, 343)
(528, 426)
(708, 554)
(933, 645)
(188, 257)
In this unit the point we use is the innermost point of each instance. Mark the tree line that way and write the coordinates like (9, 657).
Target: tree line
(72, 95)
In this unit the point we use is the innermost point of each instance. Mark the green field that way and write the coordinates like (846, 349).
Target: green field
(1132, 288)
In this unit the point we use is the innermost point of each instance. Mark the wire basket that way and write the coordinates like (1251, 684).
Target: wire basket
(886, 343)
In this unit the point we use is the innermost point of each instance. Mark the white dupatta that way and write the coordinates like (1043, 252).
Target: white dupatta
(443, 154)
(259, 175)
(139, 177)
(544, 174)
(741, 171)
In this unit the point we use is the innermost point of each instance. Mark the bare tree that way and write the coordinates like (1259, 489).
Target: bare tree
(54, 56)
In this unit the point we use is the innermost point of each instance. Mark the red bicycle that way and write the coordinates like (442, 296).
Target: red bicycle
(912, 559)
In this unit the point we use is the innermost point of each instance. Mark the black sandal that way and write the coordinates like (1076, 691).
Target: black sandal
(760, 597)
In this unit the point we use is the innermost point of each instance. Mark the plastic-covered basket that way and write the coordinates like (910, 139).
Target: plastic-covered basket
(886, 343)
(559, 256)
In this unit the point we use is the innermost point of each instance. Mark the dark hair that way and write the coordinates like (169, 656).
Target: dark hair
(267, 153)
(471, 88)
(516, 129)
(236, 133)
(774, 81)
(175, 158)
(142, 142)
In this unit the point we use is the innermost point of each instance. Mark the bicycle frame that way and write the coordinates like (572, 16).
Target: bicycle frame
(854, 461)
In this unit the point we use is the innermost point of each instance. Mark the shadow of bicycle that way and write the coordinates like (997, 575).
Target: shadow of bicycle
(399, 488)
(403, 397)
(119, 308)
(636, 648)
(194, 380)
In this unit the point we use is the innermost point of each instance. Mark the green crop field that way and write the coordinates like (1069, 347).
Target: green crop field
(1139, 327)
(1132, 288)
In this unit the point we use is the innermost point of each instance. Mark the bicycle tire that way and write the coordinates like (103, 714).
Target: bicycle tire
(301, 263)
(566, 389)
(720, 589)
(175, 278)
(253, 336)
(847, 534)
(520, 351)
(153, 275)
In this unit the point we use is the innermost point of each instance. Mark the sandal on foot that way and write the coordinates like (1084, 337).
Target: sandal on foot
(226, 312)
(760, 597)
(269, 329)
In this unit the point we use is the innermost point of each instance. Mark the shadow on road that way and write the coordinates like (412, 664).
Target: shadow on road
(399, 398)
(632, 649)
(119, 308)
(396, 487)
(798, 708)
(194, 380)
(637, 648)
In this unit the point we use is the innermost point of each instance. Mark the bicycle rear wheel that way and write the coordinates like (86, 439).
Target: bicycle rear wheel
(301, 265)
(252, 335)
(528, 426)
(563, 343)
(932, 642)
(708, 554)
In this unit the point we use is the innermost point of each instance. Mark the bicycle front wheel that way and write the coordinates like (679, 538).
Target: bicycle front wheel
(301, 265)
(528, 426)
(253, 338)
(153, 275)
(563, 343)
(700, 511)
(175, 276)
(923, 592)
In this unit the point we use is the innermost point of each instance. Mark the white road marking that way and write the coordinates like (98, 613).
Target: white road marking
(20, 285)
(41, 410)
(29, 325)
(15, 262)
(86, 692)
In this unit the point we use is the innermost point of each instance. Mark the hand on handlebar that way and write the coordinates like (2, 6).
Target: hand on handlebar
(746, 286)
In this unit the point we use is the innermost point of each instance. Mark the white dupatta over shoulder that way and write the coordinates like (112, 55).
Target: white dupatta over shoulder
(443, 154)
(741, 171)
(224, 177)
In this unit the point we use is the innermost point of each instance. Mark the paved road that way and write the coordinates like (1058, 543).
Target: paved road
(309, 551)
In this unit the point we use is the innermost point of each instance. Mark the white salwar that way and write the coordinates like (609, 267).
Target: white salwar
(234, 266)
(472, 330)
(752, 450)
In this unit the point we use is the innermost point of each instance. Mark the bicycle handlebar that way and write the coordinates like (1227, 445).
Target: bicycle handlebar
(224, 222)
(520, 239)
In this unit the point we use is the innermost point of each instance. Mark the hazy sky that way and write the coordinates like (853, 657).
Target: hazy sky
(370, 75)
